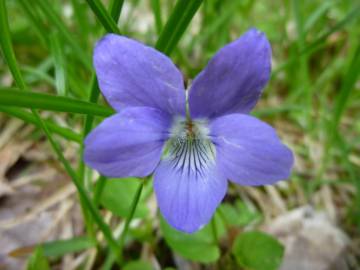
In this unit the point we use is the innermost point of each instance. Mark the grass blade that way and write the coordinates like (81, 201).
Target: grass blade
(38, 260)
(115, 9)
(155, 5)
(33, 100)
(33, 16)
(179, 19)
(61, 247)
(80, 13)
(34, 75)
(317, 14)
(30, 118)
(103, 16)
(59, 63)
(350, 78)
(315, 45)
(54, 18)
(353, 14)
(57, 248)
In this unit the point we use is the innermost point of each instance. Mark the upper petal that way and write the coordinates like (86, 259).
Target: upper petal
(234, 78)
(133, 74)
(248, 150)
(188, 199)
(128, 143)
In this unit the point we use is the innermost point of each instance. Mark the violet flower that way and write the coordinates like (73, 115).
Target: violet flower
(192, 147)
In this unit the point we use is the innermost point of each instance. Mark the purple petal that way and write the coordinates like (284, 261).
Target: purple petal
(248, 150)
(133, 74)
(128, 143)
(187, 199)
(233, 80)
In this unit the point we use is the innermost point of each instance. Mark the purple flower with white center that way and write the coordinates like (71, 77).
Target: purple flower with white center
(193, 145)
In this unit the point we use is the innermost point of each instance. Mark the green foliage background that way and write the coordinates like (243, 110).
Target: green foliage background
(313, 97)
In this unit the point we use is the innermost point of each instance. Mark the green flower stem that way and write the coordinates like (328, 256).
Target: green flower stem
(109, 261)
(133, 207)
(110, 21)
(11, 60)
(89, 119)
(214, 230)
(100, 184)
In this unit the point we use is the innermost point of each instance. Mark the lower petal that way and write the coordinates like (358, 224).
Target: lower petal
(187, 198)
(248, 150)
(129, 143)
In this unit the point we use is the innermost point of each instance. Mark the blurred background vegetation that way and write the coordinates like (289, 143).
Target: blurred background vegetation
(313, 100)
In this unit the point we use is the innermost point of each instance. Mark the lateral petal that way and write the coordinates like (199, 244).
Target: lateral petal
(248, 150)
(129, 143)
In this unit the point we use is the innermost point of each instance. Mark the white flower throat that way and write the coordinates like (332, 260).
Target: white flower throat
(190, 148)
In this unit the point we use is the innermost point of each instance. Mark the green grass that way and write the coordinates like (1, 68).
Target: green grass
(313, 96)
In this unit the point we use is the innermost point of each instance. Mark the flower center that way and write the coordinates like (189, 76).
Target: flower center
(189, 148)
